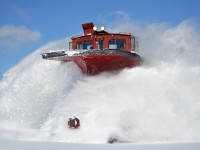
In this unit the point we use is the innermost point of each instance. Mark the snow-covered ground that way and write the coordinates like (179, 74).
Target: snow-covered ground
(31, 145)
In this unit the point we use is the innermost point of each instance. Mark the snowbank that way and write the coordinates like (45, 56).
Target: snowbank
(33, 145)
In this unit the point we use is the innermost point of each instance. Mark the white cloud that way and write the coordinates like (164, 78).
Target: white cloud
(21, 12)
(12, 37)
(113, 16)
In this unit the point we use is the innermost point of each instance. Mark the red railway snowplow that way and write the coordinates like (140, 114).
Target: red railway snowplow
(99, 51)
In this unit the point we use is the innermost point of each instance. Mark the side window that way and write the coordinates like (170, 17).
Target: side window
(117, 44)
(134, 44)
(70, 45)
(85, 45)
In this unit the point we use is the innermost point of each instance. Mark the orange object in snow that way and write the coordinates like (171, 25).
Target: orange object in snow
(74, 122)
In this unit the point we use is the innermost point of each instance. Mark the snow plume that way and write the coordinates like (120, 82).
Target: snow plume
(156, 102)
(31, 89)
(161, 42)
(179, 43)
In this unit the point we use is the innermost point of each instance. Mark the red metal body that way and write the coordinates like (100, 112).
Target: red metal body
(103, 51)
(94, 64)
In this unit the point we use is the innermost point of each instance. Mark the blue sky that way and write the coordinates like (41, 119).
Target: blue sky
(26, 25)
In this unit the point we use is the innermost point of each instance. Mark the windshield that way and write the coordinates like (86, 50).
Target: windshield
(85, 45)
(117, 44)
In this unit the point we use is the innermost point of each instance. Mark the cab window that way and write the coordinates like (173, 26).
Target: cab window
(85, 45)
(117, 44)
